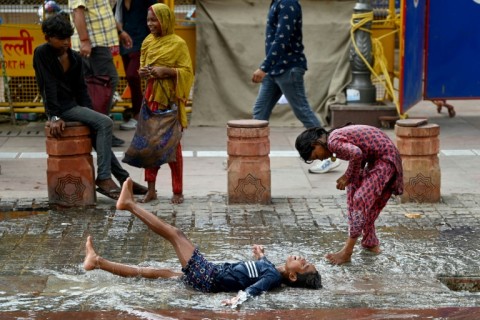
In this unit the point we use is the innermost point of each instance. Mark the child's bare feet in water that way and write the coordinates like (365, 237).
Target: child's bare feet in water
(339, 257)
(91, 256)
(126, 196)
(375, 249)
(149, 196)
(177, 198)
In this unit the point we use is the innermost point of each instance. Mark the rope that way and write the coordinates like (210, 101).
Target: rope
(380, 61)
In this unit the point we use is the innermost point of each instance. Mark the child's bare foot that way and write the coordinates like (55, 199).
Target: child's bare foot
(150, 196)
(177, 198)
(375, 249)
(91, 256)
(339, 257)
(126, 196)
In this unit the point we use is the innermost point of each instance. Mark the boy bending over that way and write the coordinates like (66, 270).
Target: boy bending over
(248, 278)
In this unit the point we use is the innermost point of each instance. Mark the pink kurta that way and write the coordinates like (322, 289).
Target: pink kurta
(374, 173)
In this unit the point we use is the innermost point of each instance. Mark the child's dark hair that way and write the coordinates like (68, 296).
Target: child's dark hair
(57, 26)
(306, 139)
(309, 280)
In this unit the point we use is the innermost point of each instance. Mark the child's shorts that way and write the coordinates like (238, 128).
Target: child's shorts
(199, 273)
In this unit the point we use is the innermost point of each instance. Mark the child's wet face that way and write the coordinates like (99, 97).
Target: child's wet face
(297, 264)
(319, 153)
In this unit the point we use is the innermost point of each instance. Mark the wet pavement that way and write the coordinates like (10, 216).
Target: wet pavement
(42, 248)
(42, 253)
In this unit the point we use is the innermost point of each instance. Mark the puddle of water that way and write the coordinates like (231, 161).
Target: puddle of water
(403, 276)
(185, 314)
(9, 215)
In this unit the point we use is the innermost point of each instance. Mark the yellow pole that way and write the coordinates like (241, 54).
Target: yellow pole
(391, 8)
(170, 3)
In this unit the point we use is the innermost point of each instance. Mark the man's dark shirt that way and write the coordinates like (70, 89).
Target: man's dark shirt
(60, 90)
(283, 38)
(135, 24)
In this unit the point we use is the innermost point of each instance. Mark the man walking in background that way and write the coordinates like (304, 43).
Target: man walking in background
(283, 69)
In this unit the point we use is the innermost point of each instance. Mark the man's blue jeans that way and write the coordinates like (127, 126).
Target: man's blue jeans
(101, 127)
(291, 84)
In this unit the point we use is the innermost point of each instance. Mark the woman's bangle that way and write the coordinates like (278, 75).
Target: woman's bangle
(85, 39)
(120, 31)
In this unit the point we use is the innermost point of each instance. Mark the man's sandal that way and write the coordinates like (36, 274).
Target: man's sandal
(112, 193)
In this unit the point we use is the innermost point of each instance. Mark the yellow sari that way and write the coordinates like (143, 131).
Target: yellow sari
(168, 50)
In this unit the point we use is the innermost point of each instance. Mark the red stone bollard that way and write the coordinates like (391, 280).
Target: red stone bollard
(70, 170)
(248, 148)
(419, 145)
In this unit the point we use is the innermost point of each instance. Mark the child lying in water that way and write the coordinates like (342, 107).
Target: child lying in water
(248, 278)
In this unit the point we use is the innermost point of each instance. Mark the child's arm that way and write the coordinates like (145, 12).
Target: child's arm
(268, 280)
(342, 182)
(351, 153)
(241, 297)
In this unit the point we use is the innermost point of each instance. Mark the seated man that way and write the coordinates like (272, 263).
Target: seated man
(254, 277)
(59, 75)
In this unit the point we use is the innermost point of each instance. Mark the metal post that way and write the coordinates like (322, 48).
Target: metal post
(6, 88)
(361, 90)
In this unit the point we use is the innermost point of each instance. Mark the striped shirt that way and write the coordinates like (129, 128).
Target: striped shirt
(254, 277)
(100, 21)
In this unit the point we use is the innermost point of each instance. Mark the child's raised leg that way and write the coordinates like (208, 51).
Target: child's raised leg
(94, 261)
(182, 245)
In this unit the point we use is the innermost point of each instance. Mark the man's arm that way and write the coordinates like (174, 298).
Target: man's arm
(47, 84)
(124, 37)
(81, 25)
(46, 81)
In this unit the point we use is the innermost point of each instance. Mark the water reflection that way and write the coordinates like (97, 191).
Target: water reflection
(19, 214)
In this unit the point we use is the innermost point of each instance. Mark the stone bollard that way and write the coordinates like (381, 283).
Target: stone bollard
(70, 170)
(419, 145)
(248, 148)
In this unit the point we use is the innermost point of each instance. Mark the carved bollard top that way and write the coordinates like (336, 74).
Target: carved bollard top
(248, 123)
(411, 122)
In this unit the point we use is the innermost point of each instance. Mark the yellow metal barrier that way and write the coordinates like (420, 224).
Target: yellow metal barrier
(20, 34)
